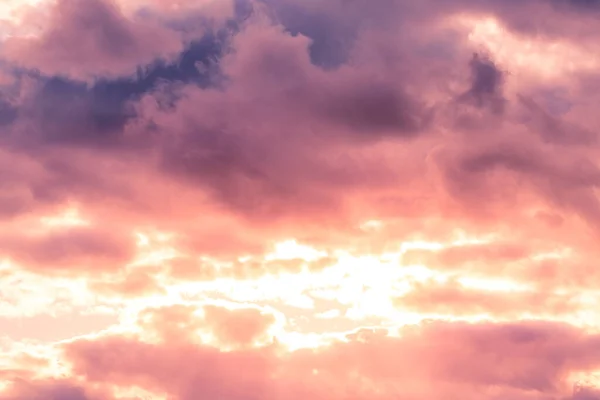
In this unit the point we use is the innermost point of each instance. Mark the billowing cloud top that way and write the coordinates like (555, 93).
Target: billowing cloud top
(280, 199)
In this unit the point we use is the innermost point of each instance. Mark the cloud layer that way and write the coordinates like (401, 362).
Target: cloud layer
(281, 198)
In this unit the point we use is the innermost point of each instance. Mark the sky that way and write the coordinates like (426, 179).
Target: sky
(299, 199)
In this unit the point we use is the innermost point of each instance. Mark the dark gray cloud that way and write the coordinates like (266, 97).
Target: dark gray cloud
(486, 85)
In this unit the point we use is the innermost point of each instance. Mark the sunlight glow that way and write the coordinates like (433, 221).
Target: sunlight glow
(135, 392)
(536, 57)
(68, 218)
(290, 249)
(12, 15)
(501, 285)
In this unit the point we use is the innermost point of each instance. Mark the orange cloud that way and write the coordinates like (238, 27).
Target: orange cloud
(237, 326)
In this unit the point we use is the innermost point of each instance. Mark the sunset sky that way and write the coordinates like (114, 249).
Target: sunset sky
(299, 199)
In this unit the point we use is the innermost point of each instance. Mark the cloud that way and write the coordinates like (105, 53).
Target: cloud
(431, 361)
(137, 283)
(278, 138)
(486, 85)
(86, 39)
(75, 248)
(238, 326)
(452, 298)
(554, 130)
(55, 390)
(299, 199)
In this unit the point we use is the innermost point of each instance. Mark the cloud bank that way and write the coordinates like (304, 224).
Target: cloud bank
(282, 198)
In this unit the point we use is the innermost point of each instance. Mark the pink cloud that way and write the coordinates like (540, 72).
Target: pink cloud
(86, 39)
(237, 326)
(72, 248)
(51, 389)
(369, 132)
(434, 360)
(451, 298)
(137, 283)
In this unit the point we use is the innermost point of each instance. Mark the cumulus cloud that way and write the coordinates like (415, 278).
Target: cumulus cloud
(435, 360)
(300, 198)
(85, 39)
